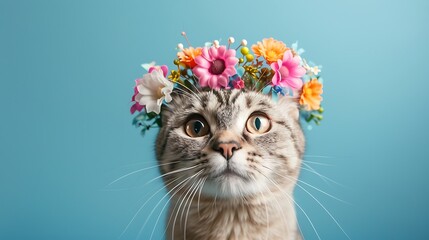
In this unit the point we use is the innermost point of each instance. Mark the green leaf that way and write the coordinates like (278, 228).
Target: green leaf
(143, 131)
(151, 116)
(159, 122)
(139, 119)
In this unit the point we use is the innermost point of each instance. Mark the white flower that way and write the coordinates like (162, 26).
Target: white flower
(153, 89)
(315, 70)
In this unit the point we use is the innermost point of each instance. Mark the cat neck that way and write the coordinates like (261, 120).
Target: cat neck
(264, 216)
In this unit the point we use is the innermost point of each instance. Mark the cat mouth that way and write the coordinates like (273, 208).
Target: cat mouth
(229, 173)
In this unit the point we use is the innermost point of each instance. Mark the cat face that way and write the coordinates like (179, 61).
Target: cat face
(229, 143)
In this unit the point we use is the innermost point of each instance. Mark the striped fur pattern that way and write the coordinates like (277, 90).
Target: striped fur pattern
(256, 202)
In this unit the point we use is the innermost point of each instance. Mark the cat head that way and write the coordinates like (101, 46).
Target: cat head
(232, 143)
(229, 119)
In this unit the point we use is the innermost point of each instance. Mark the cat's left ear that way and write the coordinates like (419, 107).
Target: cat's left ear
(290, 105)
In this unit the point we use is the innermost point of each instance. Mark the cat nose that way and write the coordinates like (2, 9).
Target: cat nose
(226, 148)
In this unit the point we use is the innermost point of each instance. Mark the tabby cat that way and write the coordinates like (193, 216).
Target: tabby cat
(230, 160)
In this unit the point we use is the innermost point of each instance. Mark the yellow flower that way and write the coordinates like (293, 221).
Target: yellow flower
(271, 49)
(188, 55)
(310, 96)
(174, 76)
(251, 70)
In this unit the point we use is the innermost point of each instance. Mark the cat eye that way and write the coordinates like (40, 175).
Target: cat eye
(197, 126)
(258, 123)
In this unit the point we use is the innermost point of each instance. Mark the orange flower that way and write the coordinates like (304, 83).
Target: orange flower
(271, 49)
(310, 96)
(188, 55)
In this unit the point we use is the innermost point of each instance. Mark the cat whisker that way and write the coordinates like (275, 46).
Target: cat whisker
(319, 190)
(139, 170)
(173, 172)
(318, 163)
(266, 214)
(326, 210)
(181, 185)
(281, 210)
(199, 196)
(189, 206)
(311, 195)
(144, 204)
(289, 197)
(312, 170)
(173, 210)
(180, 205)
(191, 93)
(317, 156)
(162, 210)
(165, 205)
(170, 218)
(214, 202)
(196, 88)
(183, 92)
(305, 183)
(324, 178)
(188, 198)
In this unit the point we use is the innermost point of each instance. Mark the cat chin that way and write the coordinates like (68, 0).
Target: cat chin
(232, 186)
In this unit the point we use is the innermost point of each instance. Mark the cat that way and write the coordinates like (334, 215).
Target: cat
(230, 160)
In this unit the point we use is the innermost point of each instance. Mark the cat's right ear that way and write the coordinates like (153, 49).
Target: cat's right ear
(290, 105)
(167, 110)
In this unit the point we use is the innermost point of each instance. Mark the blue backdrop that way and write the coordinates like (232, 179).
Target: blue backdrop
(67, 72)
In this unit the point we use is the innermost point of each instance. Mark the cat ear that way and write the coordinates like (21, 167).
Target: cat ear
(290, 105)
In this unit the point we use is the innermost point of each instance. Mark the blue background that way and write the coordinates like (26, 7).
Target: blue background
(67, 72)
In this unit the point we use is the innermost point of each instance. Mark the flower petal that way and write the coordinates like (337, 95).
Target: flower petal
(213, 82)
(295, 60)
(167, 93)
(276, 78)
(231, 61)
(137, 97)
(203, 80)
(149, 85)
(230, 53)
(230, 71)
(294, 83)
(221, 52)
(164, 69)
(222, 81)
(275, 66)
(205, 54)
(287, 55)
(297, 72)
(201, 62)
(200, 71)
(146, 99)
(213, 51)
(153, 106)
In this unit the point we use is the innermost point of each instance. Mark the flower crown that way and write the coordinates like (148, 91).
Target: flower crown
(269, 67)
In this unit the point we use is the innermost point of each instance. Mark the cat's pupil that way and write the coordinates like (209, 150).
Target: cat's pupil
(197, 126)
(257, 123)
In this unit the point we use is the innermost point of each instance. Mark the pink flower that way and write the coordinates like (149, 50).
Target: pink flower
(136, 106)
(238, 84)
(163, 68)
(288, 72)
(215, 66)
